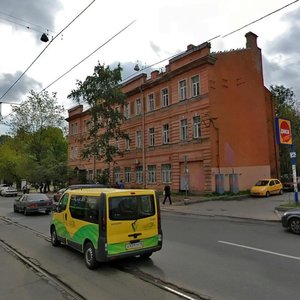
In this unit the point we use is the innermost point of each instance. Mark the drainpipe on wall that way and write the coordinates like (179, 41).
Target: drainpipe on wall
(143, 139)
(143, 142)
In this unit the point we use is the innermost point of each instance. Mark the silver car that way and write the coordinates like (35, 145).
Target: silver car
(9, 191)
(35, 202)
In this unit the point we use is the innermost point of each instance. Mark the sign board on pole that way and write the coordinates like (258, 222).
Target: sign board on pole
(283, 131)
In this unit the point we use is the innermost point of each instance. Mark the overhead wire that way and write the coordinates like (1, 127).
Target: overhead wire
(24, 21)
(27, 27)
(115, 35)
(218, 36)
(80, 62)
(259, 19)
(45, 50)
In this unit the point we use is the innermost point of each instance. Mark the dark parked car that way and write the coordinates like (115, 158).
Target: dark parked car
(36, 202)
(288, 186)
(291, 220)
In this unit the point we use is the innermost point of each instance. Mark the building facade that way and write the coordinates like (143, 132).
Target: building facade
(205, 124)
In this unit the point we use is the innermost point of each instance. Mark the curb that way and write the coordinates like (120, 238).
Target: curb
(222, 216)
(189, 201)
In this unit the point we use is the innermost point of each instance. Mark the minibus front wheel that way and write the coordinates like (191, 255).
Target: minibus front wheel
(54, 240)
(90, 256)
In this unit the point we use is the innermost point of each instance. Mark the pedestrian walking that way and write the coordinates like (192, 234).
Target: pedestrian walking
(24, 189)
(167, 192)
(121, 185)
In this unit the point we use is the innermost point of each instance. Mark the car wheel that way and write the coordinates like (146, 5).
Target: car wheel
(267, 194)
(90, 256)
(54, 240)
(294, 225)
(15, 209)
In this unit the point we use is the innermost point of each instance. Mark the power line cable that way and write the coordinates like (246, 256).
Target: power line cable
(27, 27)
(45, 50)
(218, 36)
(267, 15)
(24, 21)
(88, 56)
(115, 35)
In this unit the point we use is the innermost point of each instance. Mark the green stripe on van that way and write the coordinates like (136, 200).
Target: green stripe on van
(120, 248)
(89, 231)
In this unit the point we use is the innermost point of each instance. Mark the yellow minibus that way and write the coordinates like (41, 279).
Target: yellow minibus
(107, 223)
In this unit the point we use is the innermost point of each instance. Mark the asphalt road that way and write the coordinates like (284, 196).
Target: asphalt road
(215, 257)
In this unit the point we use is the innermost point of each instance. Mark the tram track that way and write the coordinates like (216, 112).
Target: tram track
(70, 293)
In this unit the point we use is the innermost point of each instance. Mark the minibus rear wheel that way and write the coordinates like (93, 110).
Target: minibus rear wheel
(90, 256)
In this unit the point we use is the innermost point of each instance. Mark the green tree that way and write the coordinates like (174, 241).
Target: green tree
(287, 107)
(37, 150)
(10, 159)
(102, 92)
(40, 110)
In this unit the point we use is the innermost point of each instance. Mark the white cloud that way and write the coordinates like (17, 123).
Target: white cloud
(162, 29)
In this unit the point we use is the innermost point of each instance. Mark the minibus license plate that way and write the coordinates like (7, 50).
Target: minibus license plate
(133, 246)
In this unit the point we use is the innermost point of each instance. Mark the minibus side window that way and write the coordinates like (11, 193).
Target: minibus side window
(84, 208)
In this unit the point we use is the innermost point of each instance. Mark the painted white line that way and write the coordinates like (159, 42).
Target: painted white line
(260, 250)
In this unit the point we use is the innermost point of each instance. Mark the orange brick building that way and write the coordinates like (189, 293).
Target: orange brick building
(204, 124)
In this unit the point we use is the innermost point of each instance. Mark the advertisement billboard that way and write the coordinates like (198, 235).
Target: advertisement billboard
(283, 131)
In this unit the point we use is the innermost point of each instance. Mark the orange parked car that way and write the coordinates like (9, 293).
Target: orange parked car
(267, 187)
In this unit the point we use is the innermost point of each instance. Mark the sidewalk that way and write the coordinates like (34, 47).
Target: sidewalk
(264, 209)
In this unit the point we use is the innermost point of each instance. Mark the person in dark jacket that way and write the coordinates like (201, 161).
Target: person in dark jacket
(167, 192)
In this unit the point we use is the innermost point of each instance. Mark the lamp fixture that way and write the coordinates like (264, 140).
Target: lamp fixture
(44, 38)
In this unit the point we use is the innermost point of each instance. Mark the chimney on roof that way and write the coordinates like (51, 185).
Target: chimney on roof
(251, 40)
(190, 47)
(154, 74)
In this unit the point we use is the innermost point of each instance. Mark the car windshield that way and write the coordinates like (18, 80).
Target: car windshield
(131, 207)
(262, 183)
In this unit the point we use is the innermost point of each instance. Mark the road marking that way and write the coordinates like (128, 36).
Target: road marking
(260, 250)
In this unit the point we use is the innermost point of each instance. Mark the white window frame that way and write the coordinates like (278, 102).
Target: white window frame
(165, 130)
(90, 175)
(150, 102)
(117, 144)
(127, 174)
(139, 174)
(195, 86)
(151, 136)
(127, 111)
(138, 106)
(74, 128)
(127, 144)
(182, 91)
(117, 174)
(138, 139)
(196, 127)
(152, 173)
(166, 173)
(184, 129)
(165, 97)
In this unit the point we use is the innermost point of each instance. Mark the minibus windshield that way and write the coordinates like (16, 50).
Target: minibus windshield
(131, 207)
